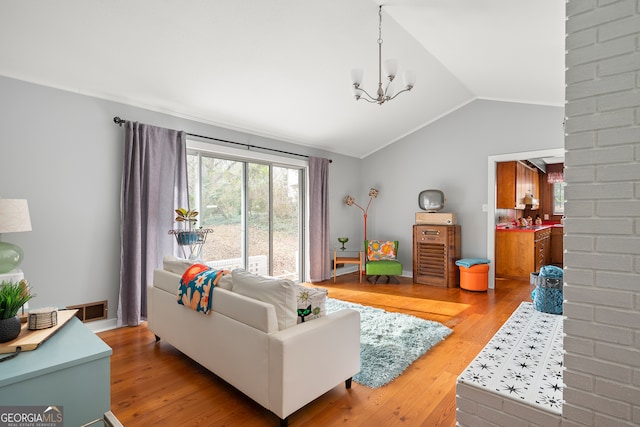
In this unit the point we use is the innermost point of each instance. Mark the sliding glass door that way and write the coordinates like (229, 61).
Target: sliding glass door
(254, 210)
(286, 216)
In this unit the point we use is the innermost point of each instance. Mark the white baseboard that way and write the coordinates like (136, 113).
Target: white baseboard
(346, 270)
(102, 325)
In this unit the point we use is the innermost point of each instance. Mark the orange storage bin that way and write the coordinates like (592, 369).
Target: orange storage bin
(474, 278)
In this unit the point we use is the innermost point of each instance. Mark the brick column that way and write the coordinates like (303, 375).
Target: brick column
(602, 241)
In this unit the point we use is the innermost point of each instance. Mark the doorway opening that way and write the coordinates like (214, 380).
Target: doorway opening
(491, 197)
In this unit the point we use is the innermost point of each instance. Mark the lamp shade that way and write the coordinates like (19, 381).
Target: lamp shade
(356, 76)
(390, 68)
(14, 216)
(409, 78)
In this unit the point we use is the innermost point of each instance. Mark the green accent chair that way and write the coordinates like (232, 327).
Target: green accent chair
(380, 260)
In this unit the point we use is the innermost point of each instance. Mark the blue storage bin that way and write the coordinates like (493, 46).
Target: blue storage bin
(547, 295)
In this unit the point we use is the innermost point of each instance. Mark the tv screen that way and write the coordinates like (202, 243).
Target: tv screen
(431, 200)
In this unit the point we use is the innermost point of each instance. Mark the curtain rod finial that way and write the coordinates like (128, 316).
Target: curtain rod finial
(117, 120)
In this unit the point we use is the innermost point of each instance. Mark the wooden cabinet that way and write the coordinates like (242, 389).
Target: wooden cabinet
(436, 248)
(533, 178)
(557, 246)
(514, 181)
(542, 248)
(520, 253)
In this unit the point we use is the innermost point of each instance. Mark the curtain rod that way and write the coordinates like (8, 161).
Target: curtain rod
(117, 120)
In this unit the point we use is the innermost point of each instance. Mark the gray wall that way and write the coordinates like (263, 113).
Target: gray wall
(62, 152)
(451, 155)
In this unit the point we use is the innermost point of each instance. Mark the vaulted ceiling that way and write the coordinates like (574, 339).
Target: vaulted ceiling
(281, 68)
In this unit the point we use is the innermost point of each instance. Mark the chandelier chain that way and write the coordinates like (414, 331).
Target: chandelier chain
(380, 25)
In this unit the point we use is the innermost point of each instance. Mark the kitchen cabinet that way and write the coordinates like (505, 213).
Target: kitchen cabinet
(515, 180)
(436, 248)
(520, 252)
(542, 248)
(557, 246)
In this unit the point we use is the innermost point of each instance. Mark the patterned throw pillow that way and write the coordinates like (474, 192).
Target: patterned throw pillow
(381, 250)
(196, 286)
(311, 302)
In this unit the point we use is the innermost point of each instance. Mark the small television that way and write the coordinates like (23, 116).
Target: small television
(431, 200)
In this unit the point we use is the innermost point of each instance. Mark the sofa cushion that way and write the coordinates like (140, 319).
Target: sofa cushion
(311, 302)
(176, 265)
(225, 282)
(384, 268)
(280, 293)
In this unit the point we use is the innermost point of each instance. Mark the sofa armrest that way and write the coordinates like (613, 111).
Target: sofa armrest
(311, 358)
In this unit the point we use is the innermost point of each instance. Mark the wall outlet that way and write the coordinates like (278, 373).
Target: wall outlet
(485, 208)
(546, 217)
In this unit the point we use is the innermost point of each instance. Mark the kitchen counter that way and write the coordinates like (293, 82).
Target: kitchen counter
(528, 228)
(520, 251)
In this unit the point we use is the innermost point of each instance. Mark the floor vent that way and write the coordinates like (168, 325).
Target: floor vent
(91, 311)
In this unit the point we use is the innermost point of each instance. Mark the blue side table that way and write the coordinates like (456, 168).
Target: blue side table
(71, 369)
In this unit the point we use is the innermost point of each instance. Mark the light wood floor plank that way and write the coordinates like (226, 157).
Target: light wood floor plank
(154, 384)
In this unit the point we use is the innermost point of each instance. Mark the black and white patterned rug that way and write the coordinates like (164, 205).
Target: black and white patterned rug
(523, 360)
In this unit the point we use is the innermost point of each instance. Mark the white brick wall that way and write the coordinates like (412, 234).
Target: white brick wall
(602, 260)
(477, 407)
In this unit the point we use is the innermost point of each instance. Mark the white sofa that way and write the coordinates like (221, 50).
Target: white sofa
(240, 341)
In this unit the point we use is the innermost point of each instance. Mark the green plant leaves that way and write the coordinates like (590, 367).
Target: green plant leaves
(12, 297)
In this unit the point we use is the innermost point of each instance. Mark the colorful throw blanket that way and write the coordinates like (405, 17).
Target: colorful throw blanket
(196, 287)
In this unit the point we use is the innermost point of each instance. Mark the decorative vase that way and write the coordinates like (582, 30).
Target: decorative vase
(9, 329)
(343, 240)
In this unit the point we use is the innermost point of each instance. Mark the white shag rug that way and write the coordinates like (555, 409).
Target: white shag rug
(389, 342)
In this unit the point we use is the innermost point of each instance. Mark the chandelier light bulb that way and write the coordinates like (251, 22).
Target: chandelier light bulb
(356, 76)
(409, 78)
(390, 68)
(357, 92)
(391, 88)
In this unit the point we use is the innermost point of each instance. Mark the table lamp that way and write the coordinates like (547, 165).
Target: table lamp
(14, 218)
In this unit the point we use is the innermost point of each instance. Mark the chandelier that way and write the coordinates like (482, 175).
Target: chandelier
(390, 66)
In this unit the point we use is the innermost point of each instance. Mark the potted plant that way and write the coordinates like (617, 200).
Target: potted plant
(188, 236)
(12, 297)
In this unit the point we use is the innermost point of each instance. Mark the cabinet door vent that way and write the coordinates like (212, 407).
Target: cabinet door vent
(431, 260)
(91, 311)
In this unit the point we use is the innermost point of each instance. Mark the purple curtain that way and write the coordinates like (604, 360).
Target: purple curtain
(319, 256)
(154, 184)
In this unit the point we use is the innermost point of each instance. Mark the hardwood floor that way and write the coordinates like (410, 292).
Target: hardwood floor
(154, 384)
